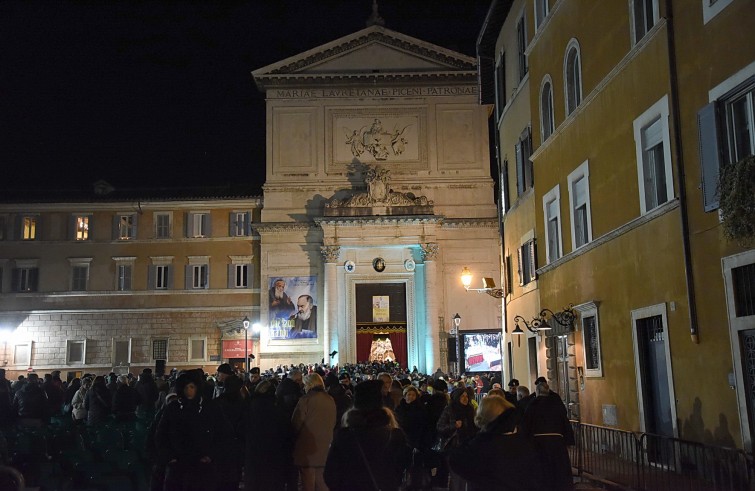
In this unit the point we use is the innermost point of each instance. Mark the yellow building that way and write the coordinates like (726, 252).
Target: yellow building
(626, 231)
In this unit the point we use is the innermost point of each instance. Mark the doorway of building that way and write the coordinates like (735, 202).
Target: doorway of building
(381, 322)
(747, 342)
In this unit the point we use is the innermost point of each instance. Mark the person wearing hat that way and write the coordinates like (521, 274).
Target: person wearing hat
(511, 394)
(370, 451)
(225, 370)
(313, 422)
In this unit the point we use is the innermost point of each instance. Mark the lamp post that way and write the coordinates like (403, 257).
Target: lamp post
(542, 322)
(245, 323)
(455, 333)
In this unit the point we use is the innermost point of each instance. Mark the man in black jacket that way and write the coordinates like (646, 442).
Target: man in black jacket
(30, 403)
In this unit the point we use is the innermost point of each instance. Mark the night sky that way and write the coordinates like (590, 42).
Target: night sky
(160, 94)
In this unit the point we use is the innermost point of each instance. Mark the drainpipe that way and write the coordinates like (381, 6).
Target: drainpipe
(684, 217)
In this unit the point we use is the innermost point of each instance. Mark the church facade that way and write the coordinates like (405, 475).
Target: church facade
(377, 194)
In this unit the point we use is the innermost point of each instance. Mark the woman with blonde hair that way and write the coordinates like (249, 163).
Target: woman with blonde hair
(498, 441)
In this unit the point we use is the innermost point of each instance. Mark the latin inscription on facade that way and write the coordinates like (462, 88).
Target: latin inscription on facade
(341, 93)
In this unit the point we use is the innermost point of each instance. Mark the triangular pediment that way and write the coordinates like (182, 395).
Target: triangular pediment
(374, 51)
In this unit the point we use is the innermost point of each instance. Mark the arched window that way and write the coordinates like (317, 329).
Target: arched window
(572, 76)
(546, 108)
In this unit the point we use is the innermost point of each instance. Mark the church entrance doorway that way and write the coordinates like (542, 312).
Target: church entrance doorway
(381, 323)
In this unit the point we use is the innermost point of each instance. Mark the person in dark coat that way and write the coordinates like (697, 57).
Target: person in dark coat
(6, 400)
(148, 392)
(56, 395)
(498, 441)
(545, 421)
(287, 395)
(412, 417)
(456, 426)
(233, 407)
(435, 404)
(30, 403)
(98, 402)
(339, 395)
(125, 401)
(269, 442)
(189, 438)
(70, 391)
(370, 452)
(157, 479)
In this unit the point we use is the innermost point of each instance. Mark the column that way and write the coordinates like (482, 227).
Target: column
(432, 341)
(330, 255)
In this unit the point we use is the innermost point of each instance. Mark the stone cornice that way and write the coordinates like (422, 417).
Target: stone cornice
(470, 223)
(613, 234)
(282, 227)
(308, 79)
(380, 221)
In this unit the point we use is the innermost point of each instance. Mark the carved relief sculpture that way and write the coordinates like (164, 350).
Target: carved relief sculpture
(429, 251)
(379, 194)
(376, 141)
(330, 253)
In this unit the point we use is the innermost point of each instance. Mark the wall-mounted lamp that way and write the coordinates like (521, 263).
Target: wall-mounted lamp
(488, 285)
(542, 322)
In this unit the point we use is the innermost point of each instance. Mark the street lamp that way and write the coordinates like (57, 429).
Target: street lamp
(488, 285)
(541, 322)
(455, 334)
(246, 323)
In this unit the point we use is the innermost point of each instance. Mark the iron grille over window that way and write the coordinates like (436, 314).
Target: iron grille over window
(160, 349)
(744, 290)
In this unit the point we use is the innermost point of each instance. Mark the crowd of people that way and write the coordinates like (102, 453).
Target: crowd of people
(355, 427)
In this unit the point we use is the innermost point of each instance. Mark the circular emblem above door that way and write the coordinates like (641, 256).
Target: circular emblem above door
(409, 265)
(378, 264)
(349, 266)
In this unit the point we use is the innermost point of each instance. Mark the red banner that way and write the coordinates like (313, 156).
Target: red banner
(234, 348)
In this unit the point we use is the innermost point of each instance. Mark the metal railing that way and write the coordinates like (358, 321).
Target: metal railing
(650, 462)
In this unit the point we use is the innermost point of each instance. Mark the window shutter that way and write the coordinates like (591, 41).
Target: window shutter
(519, 265)
(169, 270)
(519, 169)
(710, 156)
(90, 233)
(248, 223)
(207, 277)
(15, 273)
(134, 222)
(232, 224)
(533, 260)
(116, 227)
(207, 222)
(188, 224)
(527, 162)
(151, 277)
(71, 227)
(34, 279)
(231, 276)
(188, 277)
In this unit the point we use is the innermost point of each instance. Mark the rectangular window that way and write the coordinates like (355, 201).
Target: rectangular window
(125, 272)
(162, 273)
(644, 15)
(162, 225)
(159, 349)
(25, 279)
(524, 170)
(505, 187)
(541, 12)
(653, 149)
(743, 282)
(527, 262)
(740, 125)
(81, 227)
(588, 315)
(521, 41)
(22, 354)
(79, 277)
(199, 276)
(500, 85)
(197, 349)
(579, 202)
(121, 352)
(198, 225)
(126, 227)
(29, 228)
(552, 214)
(242, 275)
(75, 352)
(3, 226)
(240, 224)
